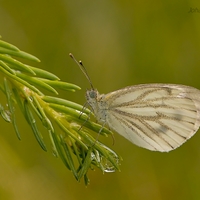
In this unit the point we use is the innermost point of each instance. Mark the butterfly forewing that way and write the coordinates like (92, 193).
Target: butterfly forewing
(158, 117)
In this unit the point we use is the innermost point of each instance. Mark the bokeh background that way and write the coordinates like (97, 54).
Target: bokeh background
(121, 43)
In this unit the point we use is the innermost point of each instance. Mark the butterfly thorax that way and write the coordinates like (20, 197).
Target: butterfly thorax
(98, 105)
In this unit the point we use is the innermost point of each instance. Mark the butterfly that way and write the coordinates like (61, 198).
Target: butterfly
(158, 117)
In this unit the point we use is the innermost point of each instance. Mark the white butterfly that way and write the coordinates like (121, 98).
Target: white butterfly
(158, 117)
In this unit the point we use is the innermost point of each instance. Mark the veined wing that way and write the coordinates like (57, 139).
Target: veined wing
(158, 117)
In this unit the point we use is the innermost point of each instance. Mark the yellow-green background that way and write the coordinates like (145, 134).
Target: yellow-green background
(121, 43)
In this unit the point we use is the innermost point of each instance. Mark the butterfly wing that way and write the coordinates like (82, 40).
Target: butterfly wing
(158, 117)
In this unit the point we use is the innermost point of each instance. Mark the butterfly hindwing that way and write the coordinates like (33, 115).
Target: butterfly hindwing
(158, 117)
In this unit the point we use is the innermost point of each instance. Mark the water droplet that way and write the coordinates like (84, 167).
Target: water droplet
(107, 165)
(103, 162)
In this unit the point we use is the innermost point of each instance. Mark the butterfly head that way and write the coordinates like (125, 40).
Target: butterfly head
(98, 105)
(91, 94)
(91, 97)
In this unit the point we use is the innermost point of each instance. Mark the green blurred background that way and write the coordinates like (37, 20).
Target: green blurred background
(121, 43)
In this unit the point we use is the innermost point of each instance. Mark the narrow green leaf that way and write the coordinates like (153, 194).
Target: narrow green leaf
(6, 67)
(76, 152)
(32, 122)
(61, 85)
(44, 74)
(11, 107)
(86, 164)
(45, 120)
(8, 46)
(53, 143)
(21, 54)
(27, 56)
(32, 104)
(70, 132)
(11, 76)
(69, 157)
(86, 180)
(69, 111)
(64, 102)
(87, 138)
(97, 128)
(18, 99)
(57, 143)
(16, 64)
(34, 81)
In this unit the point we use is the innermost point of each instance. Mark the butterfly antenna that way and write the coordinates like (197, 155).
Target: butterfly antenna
(83, 69)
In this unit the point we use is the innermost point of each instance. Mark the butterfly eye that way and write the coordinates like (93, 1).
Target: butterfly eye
(93, 94)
